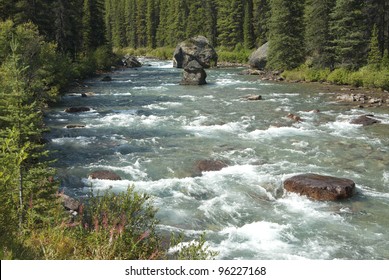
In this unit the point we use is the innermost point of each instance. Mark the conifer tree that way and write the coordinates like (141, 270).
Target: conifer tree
(348, 28)
(248, 28)
(374, 59)
(317, 34)
(286, 34)
(22, 127)
(261, 20)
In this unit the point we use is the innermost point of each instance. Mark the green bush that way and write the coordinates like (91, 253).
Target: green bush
(339, 76)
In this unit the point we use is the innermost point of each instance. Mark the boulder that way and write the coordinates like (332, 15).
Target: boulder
(106, 79)
(253, 97)
(258, 58)
(294, 117)
(194, 74)
(208, 165)
(319, 187)
(87, 94)
(77, 109)
(69, 203)
(75, 125)
(104, 175)
(197, 48)
(131, 61)
(364, 120)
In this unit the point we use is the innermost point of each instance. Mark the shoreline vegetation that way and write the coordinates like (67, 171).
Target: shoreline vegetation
(47, 47)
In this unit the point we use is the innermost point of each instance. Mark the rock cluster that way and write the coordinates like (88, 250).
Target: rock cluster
(363, 99)
(319, 187)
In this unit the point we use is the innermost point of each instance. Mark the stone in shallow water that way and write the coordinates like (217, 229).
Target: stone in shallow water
(364, 120)
(320, 187)
(104, 175)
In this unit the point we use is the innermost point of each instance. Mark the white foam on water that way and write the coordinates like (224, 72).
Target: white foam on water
(226, 81)
(259, 239)
(246, 88)
(299, 204)
(212, 130)
(385, 178)
(276, 132)
(368, 191)
(79, 140)
(190, 97)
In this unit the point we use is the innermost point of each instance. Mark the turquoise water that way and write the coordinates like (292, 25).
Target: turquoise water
(151, 131)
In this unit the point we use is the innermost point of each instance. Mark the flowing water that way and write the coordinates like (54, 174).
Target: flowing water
(151, 131)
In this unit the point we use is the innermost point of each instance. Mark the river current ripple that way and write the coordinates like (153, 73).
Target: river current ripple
(151, 131)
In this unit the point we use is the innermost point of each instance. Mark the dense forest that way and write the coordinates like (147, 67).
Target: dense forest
(331, 33)
(44, 45)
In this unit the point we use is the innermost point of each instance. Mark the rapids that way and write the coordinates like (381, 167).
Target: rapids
(151, 131)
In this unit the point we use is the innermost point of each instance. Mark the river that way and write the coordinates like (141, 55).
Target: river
(151, 131)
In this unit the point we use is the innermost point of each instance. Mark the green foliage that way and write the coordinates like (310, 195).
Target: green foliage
(192, 250)
(286, 39)
(348, 30)
(374, 58)
(317, 32)
(237, 55)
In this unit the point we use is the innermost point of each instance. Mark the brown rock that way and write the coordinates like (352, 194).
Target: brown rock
(253, 97)
(364, 120)
(208, 165)
(69, 203)
(104, 175)
(319, 187)
(77, 109)
(294, 117)
(70, 126)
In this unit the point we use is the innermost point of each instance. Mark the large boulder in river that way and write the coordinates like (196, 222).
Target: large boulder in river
(258, 58)
(104, 175)
(197, 48)
(320, 187)
(194, 74)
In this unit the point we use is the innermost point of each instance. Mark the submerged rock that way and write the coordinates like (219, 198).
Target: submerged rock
(75, 125)
(77, 109)
(104, 175)
(364, 120)
(197, 48)
(252, 97)
(106, 79)
(194, 74)
(320, 187)
(208, 165)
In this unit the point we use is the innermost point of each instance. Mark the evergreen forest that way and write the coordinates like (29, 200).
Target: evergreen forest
(47, 44)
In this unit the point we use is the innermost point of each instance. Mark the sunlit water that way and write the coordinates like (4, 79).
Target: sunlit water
(151, 131)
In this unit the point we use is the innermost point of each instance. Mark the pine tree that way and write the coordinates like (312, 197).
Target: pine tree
(248, 28)
(21, 118)
(230, 23)
(152, 19)
(348, 28)
(374, 59)
(261, 20)
(286, 34)
(317, 34)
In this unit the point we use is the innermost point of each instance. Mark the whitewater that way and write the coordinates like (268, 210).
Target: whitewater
(151, 131)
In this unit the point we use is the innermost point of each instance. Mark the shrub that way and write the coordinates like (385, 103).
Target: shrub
(339, 76)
